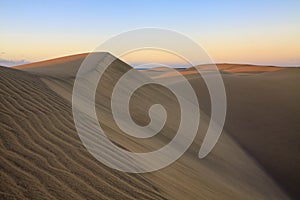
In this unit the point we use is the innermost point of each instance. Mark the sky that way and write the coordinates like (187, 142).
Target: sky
(257, 31)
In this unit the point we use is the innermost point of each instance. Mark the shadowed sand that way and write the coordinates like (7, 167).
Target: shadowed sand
(263, 115)
(42, 156)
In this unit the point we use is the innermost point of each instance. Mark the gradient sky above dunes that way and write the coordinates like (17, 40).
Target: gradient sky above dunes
(259, 32)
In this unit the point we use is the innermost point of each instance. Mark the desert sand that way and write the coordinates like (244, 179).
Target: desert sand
(42, 156)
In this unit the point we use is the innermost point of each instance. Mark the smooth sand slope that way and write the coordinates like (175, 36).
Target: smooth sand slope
(263, 116)
(42, 156)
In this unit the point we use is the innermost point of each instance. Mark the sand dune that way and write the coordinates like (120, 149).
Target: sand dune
(164, 72)
(42, 156)
(52, 62)
(238, 68)
(269, 128)
(263, 115)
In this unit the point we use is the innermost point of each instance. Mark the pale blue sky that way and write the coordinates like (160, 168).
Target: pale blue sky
(262, 32)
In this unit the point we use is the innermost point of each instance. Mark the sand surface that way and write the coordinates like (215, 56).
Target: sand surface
(263, 116)
(42, 156)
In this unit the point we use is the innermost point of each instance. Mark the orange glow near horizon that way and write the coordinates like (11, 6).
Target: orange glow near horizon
(273, 51)
(277, 50)
(145, 56)
(287, 53)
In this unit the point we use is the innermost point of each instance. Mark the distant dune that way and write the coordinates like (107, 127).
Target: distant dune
(247, 68)
(42, 156)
